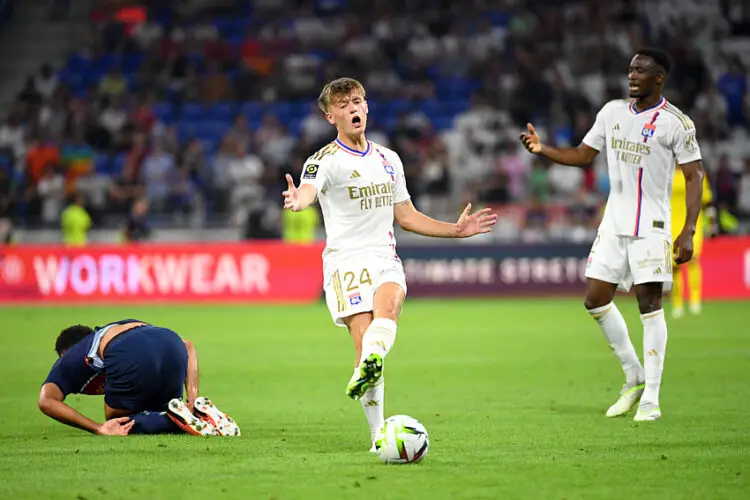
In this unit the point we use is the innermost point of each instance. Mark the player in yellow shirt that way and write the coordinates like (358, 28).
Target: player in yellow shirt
(75, 223)
(693, 268)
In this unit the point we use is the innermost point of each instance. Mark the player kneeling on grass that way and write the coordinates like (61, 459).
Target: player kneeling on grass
(140, 369)
(361, 189)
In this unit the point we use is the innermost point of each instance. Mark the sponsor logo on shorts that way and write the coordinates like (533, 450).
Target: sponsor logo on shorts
(355, 299)
(650, 262)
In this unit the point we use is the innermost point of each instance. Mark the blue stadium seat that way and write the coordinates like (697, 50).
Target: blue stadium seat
(229, 28)
(499, 18)
(131, 63)
(456, 106)
(563, 135)
(294, 127)
(164, 112)
(282, 109)
(431, 108)
(396, 106)
(387, 123)
(192, 111)
(210, 145)
(252, 110)
(212, 130)
(5, 163)
(118, 163)
(102, 164)
(451, 88)
(223, 111)
(300, 109)
(185, 130)
(104, 64)
(442, 123)
(78, 62)
(70, 76)
(235, 40)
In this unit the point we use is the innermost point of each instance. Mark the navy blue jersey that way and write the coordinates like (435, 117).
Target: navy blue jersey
(73, 375)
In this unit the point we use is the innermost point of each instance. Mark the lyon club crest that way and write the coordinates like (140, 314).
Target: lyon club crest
(387, 166)
(649, 128)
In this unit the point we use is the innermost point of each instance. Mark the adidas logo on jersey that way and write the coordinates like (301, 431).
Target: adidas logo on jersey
(355, 175)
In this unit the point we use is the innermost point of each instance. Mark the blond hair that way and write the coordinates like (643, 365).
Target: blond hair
(336, 88)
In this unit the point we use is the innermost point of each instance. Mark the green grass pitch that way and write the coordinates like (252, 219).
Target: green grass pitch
(511, 392)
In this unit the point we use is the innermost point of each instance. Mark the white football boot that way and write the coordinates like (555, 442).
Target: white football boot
(647, 412)
(181, 415)
(208, 412)
(629, 396)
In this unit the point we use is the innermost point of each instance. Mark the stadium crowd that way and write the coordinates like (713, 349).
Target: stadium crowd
(197, 109)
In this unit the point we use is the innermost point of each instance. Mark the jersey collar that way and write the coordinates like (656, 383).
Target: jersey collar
(354, 151)
(661, 104)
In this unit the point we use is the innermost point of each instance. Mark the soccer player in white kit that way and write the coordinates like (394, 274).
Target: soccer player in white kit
(645, 137)
(361, 189)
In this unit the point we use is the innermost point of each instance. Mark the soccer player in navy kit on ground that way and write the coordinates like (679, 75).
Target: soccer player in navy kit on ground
(140, 369)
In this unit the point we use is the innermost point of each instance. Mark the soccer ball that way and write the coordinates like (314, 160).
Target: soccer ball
(402, 440)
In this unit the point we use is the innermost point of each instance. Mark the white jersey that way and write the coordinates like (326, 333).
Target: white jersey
(357, 191)
(642, 148)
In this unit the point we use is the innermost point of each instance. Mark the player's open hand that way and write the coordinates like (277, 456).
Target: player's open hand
(291, 195)
(683, 248)
(477, 223)
(530, 140)
(116, 427)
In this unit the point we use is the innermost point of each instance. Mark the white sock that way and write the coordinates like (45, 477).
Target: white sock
(654, 349)
(379, 337)
(372, 404)
(615, 331)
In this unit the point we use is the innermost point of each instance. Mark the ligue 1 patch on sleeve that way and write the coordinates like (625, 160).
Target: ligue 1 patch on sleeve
(311, 171)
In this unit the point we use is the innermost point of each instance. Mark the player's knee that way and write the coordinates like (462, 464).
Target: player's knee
(391, 313)
(388, 300)
(596, 300)
(649, 303)
(593, 303)
(598, 294)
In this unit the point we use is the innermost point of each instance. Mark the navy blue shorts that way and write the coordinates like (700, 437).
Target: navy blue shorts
(145, 367)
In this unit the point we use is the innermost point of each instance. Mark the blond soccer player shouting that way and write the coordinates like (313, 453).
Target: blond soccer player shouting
(361, 189)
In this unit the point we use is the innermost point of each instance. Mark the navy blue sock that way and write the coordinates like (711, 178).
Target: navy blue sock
(153, 423)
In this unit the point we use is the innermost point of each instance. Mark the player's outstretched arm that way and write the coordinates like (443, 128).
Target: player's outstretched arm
(51, 403)
(683, 245)
(192, 378)
(412, 220)
(297, 199)
(574, 157)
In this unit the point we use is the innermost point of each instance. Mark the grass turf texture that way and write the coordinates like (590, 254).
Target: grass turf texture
(511, 392)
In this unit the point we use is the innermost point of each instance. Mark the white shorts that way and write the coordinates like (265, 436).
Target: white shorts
(628, 260)
(350, 283)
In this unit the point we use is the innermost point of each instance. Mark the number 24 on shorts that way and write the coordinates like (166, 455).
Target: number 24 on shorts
(353, 297)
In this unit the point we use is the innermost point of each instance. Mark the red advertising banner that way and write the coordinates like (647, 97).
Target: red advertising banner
(225, 272)
(726, 268)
